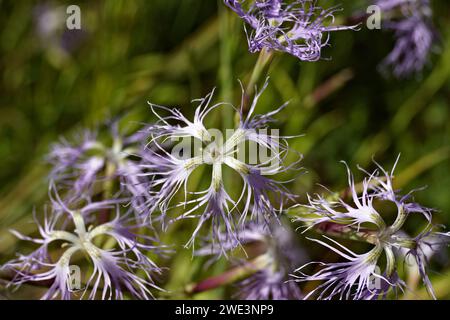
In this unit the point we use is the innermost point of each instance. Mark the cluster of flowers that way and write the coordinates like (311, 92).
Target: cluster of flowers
(109, 199)
(98, 225)
(300, 28)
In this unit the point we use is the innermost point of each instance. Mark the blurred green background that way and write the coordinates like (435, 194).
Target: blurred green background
(55, 82)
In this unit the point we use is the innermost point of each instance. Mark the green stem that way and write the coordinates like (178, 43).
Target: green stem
(261, 66)
(225, 71)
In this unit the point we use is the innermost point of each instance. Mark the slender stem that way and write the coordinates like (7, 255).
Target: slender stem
(328, 87)
(261, 66)
(225, 71)
(226, 78)
(229, 276)
(346, 232)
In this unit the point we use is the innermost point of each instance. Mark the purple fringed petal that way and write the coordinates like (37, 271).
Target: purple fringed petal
(115, 270)
(76, 168)
(168, 171)
(428, 243)
(385, 285)
(414, 33)
(268, 285)
(217, 205)
(375, 186)
(167, 175)
(346, 280)
(297, 27)
(351, 279)
(281, 253)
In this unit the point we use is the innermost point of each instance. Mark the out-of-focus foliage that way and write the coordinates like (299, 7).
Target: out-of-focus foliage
(55, 82)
